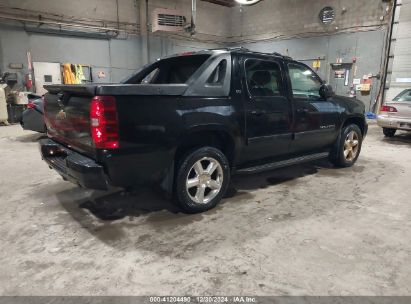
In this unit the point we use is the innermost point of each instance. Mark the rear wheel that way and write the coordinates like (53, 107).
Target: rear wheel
(388, 132)
(203, 176)
(348, 148)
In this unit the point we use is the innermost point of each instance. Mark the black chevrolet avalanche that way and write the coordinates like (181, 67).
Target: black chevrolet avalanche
(187, 123)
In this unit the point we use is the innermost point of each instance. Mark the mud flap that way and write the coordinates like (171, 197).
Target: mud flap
(336, 147)
(167, 185)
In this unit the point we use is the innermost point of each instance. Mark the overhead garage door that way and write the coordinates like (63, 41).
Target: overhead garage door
(401, 66)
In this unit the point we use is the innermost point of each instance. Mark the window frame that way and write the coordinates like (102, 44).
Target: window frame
(219, 83)
(198, 86)
(282, 88)
(291, 84)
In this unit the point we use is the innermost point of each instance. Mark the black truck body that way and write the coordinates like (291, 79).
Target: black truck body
(261, 111)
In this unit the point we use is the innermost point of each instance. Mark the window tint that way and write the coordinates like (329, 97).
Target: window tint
(218, 75)
(175, 70)
(403, 96)
(263, 77)
(303, 81)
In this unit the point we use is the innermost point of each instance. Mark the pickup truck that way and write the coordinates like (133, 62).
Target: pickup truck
(187, 123)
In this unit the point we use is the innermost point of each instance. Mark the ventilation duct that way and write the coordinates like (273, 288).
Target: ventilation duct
(167, 20)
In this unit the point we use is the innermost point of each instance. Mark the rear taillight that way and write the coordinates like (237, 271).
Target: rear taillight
(387, 109)
(31, 106)
(104, 122)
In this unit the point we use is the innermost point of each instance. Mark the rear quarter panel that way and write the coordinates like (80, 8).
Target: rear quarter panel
(152, 127)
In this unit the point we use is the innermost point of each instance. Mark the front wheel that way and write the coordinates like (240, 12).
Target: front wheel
(203, 176)
(389, 132)
(347, 150)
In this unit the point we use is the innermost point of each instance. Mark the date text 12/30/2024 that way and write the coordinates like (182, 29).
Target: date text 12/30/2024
(201, 299)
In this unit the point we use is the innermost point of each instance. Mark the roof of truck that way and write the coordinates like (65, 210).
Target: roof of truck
(240, 50)
(244, 50)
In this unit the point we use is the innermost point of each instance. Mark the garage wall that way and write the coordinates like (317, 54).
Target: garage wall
(282, 19)
(290, 27)
(213, 21)
(293, 28)
(92, 9)
(366, 47)
(116, 57)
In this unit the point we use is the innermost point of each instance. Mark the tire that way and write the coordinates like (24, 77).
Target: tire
(346, 152)
(206, 189)
(389, 132)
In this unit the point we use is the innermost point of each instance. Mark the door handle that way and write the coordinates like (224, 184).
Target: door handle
(258, 112)
(302, 110)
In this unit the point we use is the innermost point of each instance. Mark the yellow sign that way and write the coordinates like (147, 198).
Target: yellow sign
(316, 64)
(366, 87)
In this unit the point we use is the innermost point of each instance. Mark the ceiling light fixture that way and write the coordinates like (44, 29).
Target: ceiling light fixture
(247, 2)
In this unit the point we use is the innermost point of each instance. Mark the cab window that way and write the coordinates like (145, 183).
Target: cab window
(263, 78)
(304, 82)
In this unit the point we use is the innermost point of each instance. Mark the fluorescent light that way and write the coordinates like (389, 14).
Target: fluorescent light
(247, 2)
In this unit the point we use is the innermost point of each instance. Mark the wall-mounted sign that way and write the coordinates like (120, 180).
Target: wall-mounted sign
(339, 74)
(366, 87)
(356, 81)
(15, 65)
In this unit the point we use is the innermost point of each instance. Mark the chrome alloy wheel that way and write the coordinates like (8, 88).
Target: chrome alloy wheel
(351, 146)
(204, 180)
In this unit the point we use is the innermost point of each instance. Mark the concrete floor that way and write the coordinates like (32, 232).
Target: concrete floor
(305, 230)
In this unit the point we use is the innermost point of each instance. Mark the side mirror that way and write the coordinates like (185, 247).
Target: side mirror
(326, 91)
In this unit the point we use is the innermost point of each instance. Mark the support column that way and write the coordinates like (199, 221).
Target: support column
(144, 30)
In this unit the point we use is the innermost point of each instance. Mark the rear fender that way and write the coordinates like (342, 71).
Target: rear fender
(167, 184)
(231, 140)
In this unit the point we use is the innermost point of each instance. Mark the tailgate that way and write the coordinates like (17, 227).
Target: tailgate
(67, 115)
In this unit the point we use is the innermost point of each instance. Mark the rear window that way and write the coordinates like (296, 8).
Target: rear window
(403, 96)
(175, 70)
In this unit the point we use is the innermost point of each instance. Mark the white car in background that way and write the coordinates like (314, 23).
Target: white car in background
(396, 114)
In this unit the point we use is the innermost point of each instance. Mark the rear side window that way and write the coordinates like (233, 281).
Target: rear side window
(218, 75)
(175, 70)
(304, 82)
(403, 96)
(263, 78)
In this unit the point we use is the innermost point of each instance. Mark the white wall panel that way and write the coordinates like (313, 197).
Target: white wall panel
(401, 67)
